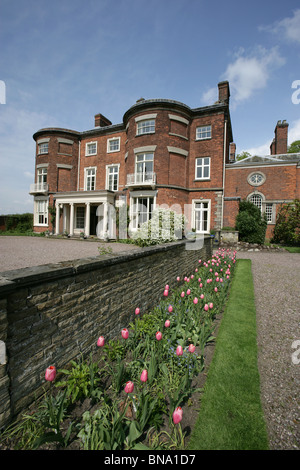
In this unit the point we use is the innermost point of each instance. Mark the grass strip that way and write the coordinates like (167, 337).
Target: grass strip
(230, 416)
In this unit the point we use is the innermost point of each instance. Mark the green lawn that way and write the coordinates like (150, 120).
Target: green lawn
(230, 416)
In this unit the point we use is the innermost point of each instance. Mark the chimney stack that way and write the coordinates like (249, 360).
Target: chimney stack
(101, 121)
(280, 142)
(224, 92)
(232, 150)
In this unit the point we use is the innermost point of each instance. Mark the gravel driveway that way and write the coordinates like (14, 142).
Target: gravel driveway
(22, 252)
(277, 292)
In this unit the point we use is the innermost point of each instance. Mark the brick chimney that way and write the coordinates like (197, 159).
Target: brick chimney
(101, 121)
(224, 92)
(232, 150)
(280, 141)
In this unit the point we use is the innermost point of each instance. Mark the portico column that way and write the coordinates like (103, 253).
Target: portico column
(64, 218)
(72, 218)
(87, 218)
(105, 220)
(57, 219)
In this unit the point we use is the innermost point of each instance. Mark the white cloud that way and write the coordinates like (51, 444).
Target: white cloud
(294, 131)
(250, 73)
(288, 28)
(209, 97)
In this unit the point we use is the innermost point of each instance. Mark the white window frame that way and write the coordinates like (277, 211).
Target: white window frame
(201, 211)
(88, 176)
(203, 132)
(41, 216)
(146, 126)
(202, 165)
(110, 176)
(89, 153)
(42, 175)
(43, 147)
(269, 213)
(143, 176)
(112, 141)
(257, 196)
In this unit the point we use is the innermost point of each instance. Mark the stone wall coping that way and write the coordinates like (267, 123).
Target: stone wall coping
(24, 277)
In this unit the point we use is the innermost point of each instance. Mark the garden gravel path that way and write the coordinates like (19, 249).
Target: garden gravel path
(276, 277)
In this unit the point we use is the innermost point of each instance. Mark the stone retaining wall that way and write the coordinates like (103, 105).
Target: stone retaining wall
(51, 314)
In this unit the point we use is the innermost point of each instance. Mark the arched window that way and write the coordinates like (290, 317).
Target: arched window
(256, 199)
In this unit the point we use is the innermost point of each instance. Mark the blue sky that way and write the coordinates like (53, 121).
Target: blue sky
(64, 61)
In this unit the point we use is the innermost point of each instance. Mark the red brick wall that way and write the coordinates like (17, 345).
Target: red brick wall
(280, 185)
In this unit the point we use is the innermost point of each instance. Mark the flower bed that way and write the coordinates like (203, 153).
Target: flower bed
(140, 392)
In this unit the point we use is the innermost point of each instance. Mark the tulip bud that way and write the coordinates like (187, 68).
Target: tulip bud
(177, 415)
(137, 311)
(129, 387)
(206, 307)
(167, 323)
(192, 348)
(170, 309)
(158, 336)
(101, 341)
(125, 333)
(166, 292)
(195, 300)
(188, 291)
(179, 351)
(144, 376)
(50, 373)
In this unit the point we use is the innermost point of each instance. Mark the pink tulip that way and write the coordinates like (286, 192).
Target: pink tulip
(195, 300)
(137, 311)
(179, 351)
(50, 373)
(166, 293)
(170, 309)
(178, 278)
(129, 387)
(216, 289)
(167, 323)
(125, 333)
(158, 335)
(188, 292)
(206, 307)
(144, 376)
(167, 287)
(200, 285)
(101, 341)
(177, 415)
(211, 305)
(192, 348)
(182, 294)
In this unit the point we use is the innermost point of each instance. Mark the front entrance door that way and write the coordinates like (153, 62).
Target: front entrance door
(93, 220)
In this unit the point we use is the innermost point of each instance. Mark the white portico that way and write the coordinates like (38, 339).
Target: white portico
(87, 212)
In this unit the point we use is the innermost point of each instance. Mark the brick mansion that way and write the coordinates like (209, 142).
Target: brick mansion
(163, 153)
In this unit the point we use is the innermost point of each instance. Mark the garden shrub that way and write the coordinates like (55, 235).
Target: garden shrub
(164, 226)
(250, 223)
(287, 228)
(19, 223)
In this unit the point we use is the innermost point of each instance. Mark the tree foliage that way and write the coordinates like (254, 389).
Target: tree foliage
(294, 147)
(287, 227)
(250, 223)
